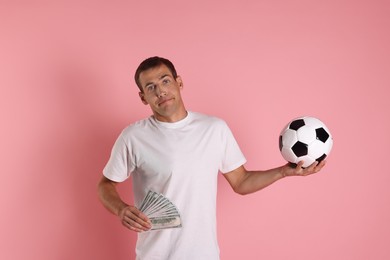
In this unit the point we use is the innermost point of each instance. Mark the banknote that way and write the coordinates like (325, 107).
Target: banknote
(161, 211)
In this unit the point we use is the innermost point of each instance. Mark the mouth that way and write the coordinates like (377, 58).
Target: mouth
(164, 101)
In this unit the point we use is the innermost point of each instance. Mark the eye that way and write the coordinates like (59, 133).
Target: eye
(150, 87)
(166, 81)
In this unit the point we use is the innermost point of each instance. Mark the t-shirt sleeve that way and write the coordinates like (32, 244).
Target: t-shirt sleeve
(232, 156)
(118, 166)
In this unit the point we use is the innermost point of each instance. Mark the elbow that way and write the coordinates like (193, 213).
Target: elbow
(241, 191)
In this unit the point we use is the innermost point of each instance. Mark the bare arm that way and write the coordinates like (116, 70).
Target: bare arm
(130, 216)
(245, 182)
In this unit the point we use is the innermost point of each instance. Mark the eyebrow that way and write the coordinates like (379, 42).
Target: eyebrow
(163, 76)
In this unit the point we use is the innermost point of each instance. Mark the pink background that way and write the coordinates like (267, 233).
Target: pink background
(66, 71)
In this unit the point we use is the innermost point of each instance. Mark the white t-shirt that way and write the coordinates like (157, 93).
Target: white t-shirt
(180, 160)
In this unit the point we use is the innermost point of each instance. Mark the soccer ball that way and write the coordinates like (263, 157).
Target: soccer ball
(305, 139)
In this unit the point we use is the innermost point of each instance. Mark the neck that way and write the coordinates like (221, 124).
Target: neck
(171, 118)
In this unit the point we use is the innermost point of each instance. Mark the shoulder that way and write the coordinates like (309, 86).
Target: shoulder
(207, 118)
(209, 121)
(138, 127)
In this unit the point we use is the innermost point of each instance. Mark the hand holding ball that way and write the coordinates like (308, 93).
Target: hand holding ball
(305, 139)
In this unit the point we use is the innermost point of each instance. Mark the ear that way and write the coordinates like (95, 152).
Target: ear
(142, 97)
(179, 81)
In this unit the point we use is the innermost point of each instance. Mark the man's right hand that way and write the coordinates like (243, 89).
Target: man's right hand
(134, 219)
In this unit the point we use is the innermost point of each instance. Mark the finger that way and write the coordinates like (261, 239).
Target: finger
(134, 218)
(130, 224)
(134, 223)
(141, 215)
(300, 164)
(299, 168)
(139, 223)
(321, 164)
(316, 167)
(311, 169)
(312, 166)
(140, 218)
(132, 212)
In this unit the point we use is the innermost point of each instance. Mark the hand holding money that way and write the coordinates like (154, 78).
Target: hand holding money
(134, 219)
(161, 212)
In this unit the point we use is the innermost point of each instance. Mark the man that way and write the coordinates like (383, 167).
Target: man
(178, 153)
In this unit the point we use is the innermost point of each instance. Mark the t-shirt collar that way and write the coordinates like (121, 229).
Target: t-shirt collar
(177, 124)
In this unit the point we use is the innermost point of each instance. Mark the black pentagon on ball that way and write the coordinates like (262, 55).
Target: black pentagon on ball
(321, 158)
(322, 135)
(296, 124)
(299, 149)
(280, 142)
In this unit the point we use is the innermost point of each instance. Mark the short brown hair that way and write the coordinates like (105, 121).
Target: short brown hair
(153, 62)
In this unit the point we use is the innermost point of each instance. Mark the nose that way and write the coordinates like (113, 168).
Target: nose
(160, 91)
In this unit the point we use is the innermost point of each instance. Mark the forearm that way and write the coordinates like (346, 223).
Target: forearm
(110, 198)
(252, 181)
(245, 182)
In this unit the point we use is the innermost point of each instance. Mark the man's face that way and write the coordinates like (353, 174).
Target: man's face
(162, 93)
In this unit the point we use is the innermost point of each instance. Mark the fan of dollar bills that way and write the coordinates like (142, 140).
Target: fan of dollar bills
(160, 211)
